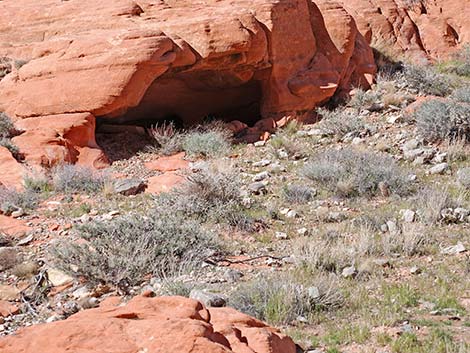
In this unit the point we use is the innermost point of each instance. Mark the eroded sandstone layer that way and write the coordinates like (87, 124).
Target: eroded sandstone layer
(150, 60)
(151, 325)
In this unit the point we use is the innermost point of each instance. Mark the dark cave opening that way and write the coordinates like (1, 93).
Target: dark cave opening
(185, 102)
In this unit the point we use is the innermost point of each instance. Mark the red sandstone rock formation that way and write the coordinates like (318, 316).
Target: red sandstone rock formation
(129, 60)
(421, 29)
(151, 325)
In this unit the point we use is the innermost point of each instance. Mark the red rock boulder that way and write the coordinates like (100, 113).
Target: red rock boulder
(151, 325)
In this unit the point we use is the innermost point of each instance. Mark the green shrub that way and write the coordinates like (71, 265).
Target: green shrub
(70, 178)
(426, 80)
(438, 120)
(349, 172)
(127, 248)
(208, 144)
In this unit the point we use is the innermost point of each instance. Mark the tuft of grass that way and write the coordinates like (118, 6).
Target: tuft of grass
(440, 120)
(463, 177)
(167, 139)
(350, 172)
(7, 129)
(206, 144)
(70, 178)
(126, 249)
(430, 202)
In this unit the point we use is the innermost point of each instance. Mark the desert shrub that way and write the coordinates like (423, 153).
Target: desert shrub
(207, 192)
(74, 179)
(208, 144)
(280, 300)
(296, 193)
(462, 94)
(12, 199)
(10, 146)
(126, 249)
(438, 120)
(364, 99)
(5, 67)
(7, 129)
(426, 80)
(355, 173)
(37, 182)
(168, 140)
(459, 64)
(340, 122)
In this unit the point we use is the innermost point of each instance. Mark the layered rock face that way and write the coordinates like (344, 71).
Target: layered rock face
(422, 29)
(164, 324)
(149, 60)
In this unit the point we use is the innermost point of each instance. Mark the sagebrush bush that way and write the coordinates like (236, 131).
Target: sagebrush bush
(439, 120)
(460, 62)
(70, 178)
(462, 94)
(208, 192)
(281, 299)
(7, 128)
(12, 199)
(208, 144)
(296, 193)
(350, 172)
(10, 146)
(426, 80)
(364, 99)
(127, 248)
(340, 122)
(430, 202)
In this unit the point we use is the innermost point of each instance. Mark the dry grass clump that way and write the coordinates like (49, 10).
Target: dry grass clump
(350, 172)
(208, 144)
(167, 139)
(125, 250)
(430, 202)
(7, 131)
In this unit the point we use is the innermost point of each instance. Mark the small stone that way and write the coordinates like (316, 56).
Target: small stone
(262, 163)
(302, 231)
(207, 298)
(18, 213)
(282, 154)
(392, 227)
(335, 217)
(259, 143)
(313, 292)
(455, 249)
(407, 216)
(261, 176)
(439, 168)
(415, 270)
(90, 302)
(357, 141)
(291, 214)
(349, 272)
(276, 168)
(257, 187)
(440, 157)
(58, 278)
(411, 155)
(281, 235)
(318, 132)
(410, 145)
(129, 187)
